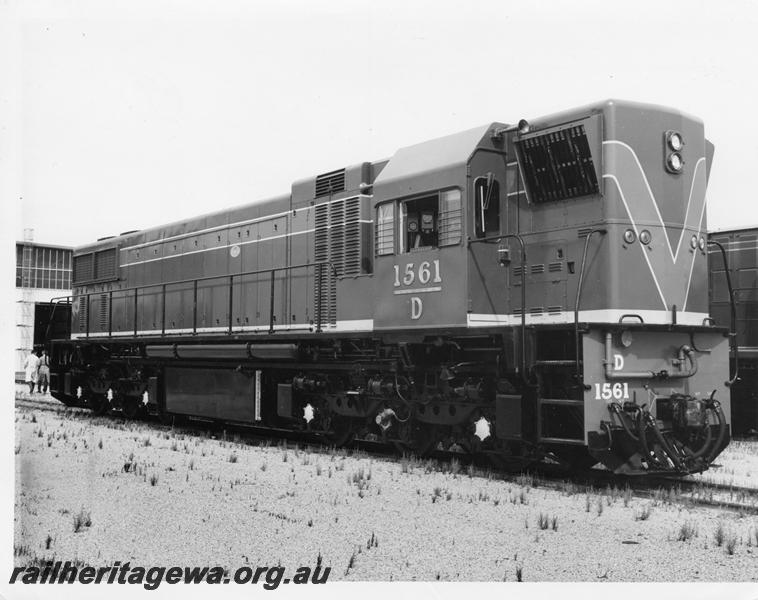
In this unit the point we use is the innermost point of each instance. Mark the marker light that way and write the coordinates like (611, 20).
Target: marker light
(630, 236)
(693, 242)
(701, 244)
(674, 162)
(675, 142)
(645, 237)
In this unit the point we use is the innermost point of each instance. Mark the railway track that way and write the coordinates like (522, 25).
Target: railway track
(687, 490)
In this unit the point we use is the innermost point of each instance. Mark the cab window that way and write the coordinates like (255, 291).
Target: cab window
(486, 206)
(385, 229)
(431, 221)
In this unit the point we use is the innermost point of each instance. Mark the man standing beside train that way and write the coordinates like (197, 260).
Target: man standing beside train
(43, 375)
(31, 366)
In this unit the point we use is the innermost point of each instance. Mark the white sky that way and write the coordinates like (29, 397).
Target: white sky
(128, 115)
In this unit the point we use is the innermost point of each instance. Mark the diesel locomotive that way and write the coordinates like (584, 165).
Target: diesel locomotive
(528, 292)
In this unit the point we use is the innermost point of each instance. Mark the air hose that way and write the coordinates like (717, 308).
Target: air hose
(663, 441)
(622, 417)
(715, 406)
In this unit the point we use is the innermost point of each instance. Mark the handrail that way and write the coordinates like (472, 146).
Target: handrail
(733, 307)
(579, 377)
(517, 237)
(57, 300)
(194, 282)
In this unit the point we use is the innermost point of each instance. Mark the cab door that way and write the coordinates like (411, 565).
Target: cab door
(491, 270)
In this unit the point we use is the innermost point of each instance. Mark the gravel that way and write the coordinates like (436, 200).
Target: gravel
(163, 497)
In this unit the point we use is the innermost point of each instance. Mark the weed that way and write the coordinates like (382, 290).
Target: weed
(587, 503)
(233, 458)
(264, 466)
(554, 523)
(543, 521)
(687, 531)
(720, 534)
(644, 513)
(599, 506)
(627, 496)
(519, 574)
(146, 442)
(153, 479)
(525, 480)
(351, 563)
(83, 519)
(48, 541)
(100, 444)
(731, 544)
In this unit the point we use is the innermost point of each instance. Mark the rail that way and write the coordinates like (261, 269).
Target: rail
(520, 240)
(231, 277)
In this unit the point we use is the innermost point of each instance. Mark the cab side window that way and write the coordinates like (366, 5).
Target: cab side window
(419, 228)
(385, 229)
(486, 206)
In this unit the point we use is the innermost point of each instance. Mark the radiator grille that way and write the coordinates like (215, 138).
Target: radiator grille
(554, 310)
(84, 268)
(338, 240)
(558, 165)
(95, 266)
(105, 263)
(555, 267)
(538, 269)
(82, 316)
(330, 183)
(104, 306)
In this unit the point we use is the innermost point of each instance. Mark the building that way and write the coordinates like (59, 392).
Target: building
(43, 275)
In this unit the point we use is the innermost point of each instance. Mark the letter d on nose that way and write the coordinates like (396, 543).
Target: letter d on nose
(618, 362)
(417, 307)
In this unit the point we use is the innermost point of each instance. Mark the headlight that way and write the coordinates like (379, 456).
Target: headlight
(626, 338)
(674, 162)
(630, 236)
(645, 236)
(675, 141)
(693, 242)
(702, 243)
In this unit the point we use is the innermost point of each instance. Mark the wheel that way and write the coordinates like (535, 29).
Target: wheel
(425, 439)
(341, 431)
(99, 404)
(130, 407)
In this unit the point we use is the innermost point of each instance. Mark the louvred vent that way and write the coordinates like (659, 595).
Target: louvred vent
(558, 165)
(330, 183)
(338, 240)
